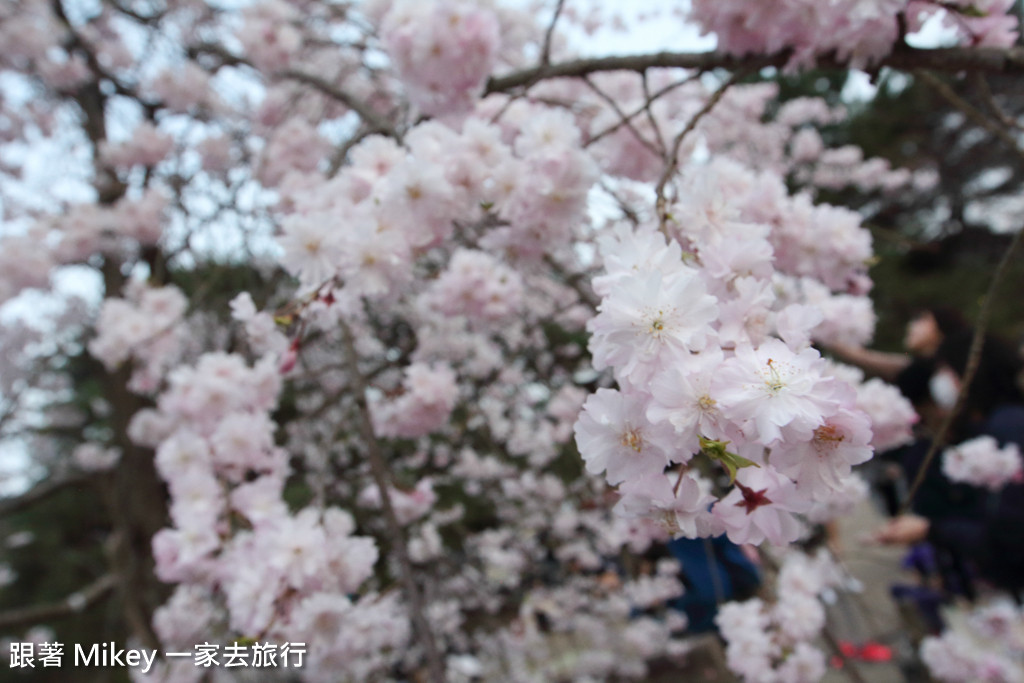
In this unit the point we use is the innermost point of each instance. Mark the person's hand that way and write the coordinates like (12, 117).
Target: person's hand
(905, 529)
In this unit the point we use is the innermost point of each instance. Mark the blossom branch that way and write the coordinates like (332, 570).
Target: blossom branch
(626, 121)
(341, 153)
(378, 469)
(851, 667)
(673, 161)
(375, 121)
(640, 110)
(955, 59)
(648, 101)
(981, 323)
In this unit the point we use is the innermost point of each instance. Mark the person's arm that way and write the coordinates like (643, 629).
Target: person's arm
(879, 363)
(904, 530)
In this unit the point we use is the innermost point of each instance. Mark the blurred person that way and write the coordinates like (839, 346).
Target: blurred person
(910, 372)
(714, 570)
(976, 530)
(925, 332)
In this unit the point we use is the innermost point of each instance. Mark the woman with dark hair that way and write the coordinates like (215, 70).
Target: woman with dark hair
(927, 329)
(910, 372)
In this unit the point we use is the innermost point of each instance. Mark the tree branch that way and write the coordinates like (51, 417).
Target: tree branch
(40, 492)
(626, 120)
(991, 60)
(970, 111)
(341, 153)
(73, 604)
(373, 120)
(545, 53)
(673, 160)
(986, 92)
(378, 468)
(650, 99)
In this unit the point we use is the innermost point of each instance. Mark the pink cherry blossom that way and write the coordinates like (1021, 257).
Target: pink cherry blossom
(648, 320)
(772, 391)
(761, 507)
(614, 436)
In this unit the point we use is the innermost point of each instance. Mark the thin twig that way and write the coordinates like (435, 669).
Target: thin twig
(673, 161)
(73, 604)
(573, 280)
(628, 212)
(679, 479)
(640, 110)
(973, 360)
(371, 118)
(545, 53)
(970, 110)
(610, 101)
(993, 106)
(648, 100)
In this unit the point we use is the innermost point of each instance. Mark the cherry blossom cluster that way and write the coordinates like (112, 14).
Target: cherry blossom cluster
(147, 147)
(428, 280)
(772, 643)
(442, 50)
(981, 462)
(24, 264)
(572, 618)
(788, 140)
(892, 416)
(94, 457)
(851, 492)
(859, 33)
(236, 545)
(271, 34)
(984, 645)
(744, 126)
(688, 326)
(429, 394)
(538, 516)
(82, 230)
(397, 203)
(146, 328)
(478, 286)
(580, 630)
(88, 228)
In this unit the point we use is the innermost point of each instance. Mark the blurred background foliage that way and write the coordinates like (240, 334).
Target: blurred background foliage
(940, 245)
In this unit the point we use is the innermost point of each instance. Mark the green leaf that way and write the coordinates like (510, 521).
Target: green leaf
(716, 450)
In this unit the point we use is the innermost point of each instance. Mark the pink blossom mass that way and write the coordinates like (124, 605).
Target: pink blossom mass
(424, 334)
